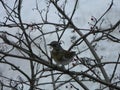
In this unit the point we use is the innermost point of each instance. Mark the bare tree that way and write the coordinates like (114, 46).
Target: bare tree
(33, 52)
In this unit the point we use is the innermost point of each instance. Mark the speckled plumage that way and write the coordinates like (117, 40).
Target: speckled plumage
(60, 55)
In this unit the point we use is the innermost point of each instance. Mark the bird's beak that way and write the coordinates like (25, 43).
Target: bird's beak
(49, 44)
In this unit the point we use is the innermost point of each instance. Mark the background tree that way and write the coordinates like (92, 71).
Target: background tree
(25, 55)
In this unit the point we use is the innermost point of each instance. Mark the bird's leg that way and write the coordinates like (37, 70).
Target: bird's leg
(68, 67)
(63, 66)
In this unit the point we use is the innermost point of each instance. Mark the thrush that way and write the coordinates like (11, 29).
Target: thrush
(61, 56)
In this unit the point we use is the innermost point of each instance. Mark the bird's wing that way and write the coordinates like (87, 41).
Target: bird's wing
(68, 54)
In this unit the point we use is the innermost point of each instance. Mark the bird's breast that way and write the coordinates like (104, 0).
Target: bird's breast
(56, 55)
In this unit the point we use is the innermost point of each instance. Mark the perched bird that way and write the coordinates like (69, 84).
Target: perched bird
(61, 56)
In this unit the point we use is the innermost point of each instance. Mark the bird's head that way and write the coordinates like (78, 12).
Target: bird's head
(55, 45)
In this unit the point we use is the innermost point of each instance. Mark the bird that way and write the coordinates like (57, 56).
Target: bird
(60, 55)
